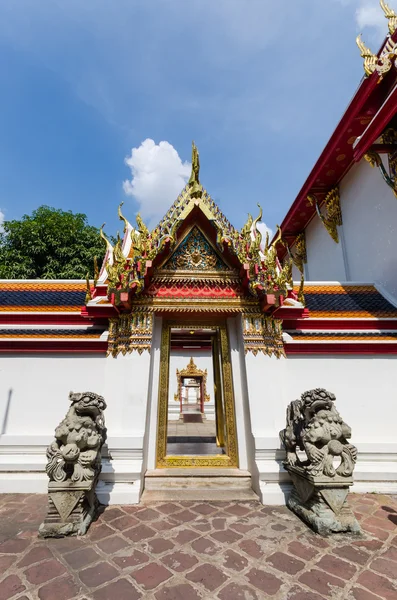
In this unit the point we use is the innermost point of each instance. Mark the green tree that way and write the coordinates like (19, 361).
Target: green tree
(49, 244)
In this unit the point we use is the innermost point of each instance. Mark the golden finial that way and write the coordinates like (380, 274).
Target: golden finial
(257, 233)
(370, 59)
(194, 177)
(122, 217)
(196, 189)
(279, 236)
(109, 246)
(390, 15)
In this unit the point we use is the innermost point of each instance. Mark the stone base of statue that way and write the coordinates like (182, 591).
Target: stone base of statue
(321, 502)
(71, 508)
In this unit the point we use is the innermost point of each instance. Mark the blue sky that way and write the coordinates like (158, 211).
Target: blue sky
(258, 84)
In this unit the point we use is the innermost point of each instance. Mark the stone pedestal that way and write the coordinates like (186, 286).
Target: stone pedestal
(321, 502)
(71, 508)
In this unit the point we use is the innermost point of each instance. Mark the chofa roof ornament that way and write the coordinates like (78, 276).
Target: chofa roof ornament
(388, 56)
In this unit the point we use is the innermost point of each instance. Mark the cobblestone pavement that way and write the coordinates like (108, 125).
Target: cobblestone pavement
(193, 550)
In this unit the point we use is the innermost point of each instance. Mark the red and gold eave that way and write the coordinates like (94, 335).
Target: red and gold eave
(370, 111)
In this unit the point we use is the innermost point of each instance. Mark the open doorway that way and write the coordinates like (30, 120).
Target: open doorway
(196, 404)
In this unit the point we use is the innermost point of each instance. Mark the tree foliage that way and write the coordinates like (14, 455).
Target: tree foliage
(49, 244)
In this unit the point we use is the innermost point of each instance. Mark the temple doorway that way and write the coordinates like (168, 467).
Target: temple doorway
(196, 405)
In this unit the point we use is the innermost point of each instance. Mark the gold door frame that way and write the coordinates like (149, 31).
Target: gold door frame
(170, 461)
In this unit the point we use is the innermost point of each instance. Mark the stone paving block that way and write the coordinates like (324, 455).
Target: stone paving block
(336, 566)
(239, 510)
(35, 555)
(353, 554)
(264, 581)
(179, 561)
(13, 546)
(112, 544)
(378, 584)
(147, 514)
(132, 559)
(160, 545)
(125, 522)
(150, 576)
(204, 509)
(285, 563)
(168, 508)
(6, 561)
(238, 591)
(82, 557)
(182, 591)
(62, 588)
(301, 550)
(44, 571)
(251, 548)
(297, 593)
(234, 561)
(361, 594)
(228, 536)
(321, 582)
(98, 574)
(185, 516)
(390, 553)
(10, 586)
(205, 546)
(386, 567)
(208, 575)
(185, 536)
(99, 531)
(141, 532)
(111, 513)
(122, 589)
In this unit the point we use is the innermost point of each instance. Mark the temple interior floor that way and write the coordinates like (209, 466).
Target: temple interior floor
(198, 550)
(181, 429)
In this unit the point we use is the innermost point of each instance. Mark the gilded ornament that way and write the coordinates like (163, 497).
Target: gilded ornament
(333, 215)
(88, 294)
(370, 59)
(390, 15)
(263, 334)
(130, 332)
(375, 160)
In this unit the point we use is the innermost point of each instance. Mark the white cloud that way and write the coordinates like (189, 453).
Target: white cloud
(158, 176)
(369, 14)
(1, 220)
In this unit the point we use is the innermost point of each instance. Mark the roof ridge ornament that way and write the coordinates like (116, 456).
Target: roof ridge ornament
(333, 217)
(196, 189)
(370, 59)
(390, 15)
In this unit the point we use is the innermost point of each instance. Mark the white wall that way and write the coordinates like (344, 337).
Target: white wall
(324, 256)
(34, 394)
(369, 210)
(365, 397)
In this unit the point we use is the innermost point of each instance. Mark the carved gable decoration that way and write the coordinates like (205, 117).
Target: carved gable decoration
(195, 253)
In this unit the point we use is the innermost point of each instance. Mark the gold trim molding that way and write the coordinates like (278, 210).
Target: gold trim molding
(170, 461)
(263, 334)
(130, 332)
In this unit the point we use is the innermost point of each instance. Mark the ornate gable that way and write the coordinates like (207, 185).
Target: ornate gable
(193, 243)
(195, 254)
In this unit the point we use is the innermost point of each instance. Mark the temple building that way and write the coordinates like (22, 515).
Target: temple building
(199, 335)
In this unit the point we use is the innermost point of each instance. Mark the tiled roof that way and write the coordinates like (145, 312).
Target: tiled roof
(347, 302)
(42, 295)
(344, 336)
(77, 333)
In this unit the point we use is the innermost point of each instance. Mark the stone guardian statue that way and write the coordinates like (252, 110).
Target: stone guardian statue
(320, 461)
(73, 467)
